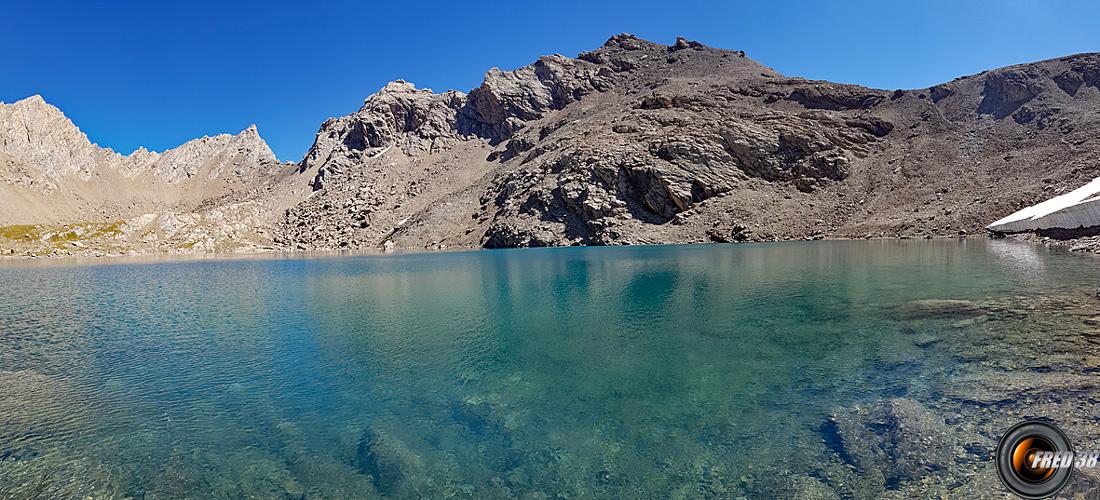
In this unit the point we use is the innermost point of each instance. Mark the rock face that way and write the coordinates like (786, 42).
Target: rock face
(560, 181)
(634, 142)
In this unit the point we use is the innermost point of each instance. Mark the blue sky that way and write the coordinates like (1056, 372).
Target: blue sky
(159, 73)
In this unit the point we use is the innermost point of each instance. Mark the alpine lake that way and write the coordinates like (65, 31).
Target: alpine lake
(827, 369)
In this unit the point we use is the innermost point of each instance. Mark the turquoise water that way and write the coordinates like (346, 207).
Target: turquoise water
(600, 372)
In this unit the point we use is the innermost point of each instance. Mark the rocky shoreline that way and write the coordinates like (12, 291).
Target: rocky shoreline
(92, 249)
(1084, 244)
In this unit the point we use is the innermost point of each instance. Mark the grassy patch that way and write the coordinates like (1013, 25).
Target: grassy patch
(21, 233)
(64, 235)
(110, 229)
(59, 236)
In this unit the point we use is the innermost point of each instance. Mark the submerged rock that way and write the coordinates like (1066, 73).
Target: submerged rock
(393, 467)
(252, 473)
(938, 308)
(495, 441)
(478, 417)
(898, 438)
(56, 477)
(808, 488)
(999, 388)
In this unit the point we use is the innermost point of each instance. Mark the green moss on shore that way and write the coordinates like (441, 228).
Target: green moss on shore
(60, 237)
(21, 232)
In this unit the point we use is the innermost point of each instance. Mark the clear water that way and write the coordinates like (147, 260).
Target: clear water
(606, 372)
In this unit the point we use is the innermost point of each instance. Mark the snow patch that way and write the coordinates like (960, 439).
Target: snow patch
(1076, 209)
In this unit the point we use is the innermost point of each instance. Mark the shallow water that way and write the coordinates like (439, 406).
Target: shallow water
(610, 372)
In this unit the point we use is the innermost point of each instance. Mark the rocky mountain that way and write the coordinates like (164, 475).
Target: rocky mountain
(638, 142)
(47, 161)
(632, 143)
(60, 191)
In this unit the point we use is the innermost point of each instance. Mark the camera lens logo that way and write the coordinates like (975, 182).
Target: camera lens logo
(1034, 459)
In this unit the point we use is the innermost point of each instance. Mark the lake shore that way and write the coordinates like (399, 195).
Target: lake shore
(268, 252)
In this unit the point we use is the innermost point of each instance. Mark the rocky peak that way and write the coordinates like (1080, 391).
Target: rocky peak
(399, 114)
(399, 87)
(507, 99)
(50, 148)
(249, 141)
(629, 57)
(137, 162)
(34, 101)
(683, 142)
(142, 152)
(626, 41)
(1044, 94)
(419, 120)
(223, 154)
(683, 43)
(48, 145)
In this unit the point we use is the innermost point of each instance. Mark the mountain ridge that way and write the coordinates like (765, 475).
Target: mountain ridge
(49, 159)
(637, 142)
(833, 117)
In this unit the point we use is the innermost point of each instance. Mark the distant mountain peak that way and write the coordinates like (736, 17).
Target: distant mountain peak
(50, 150)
